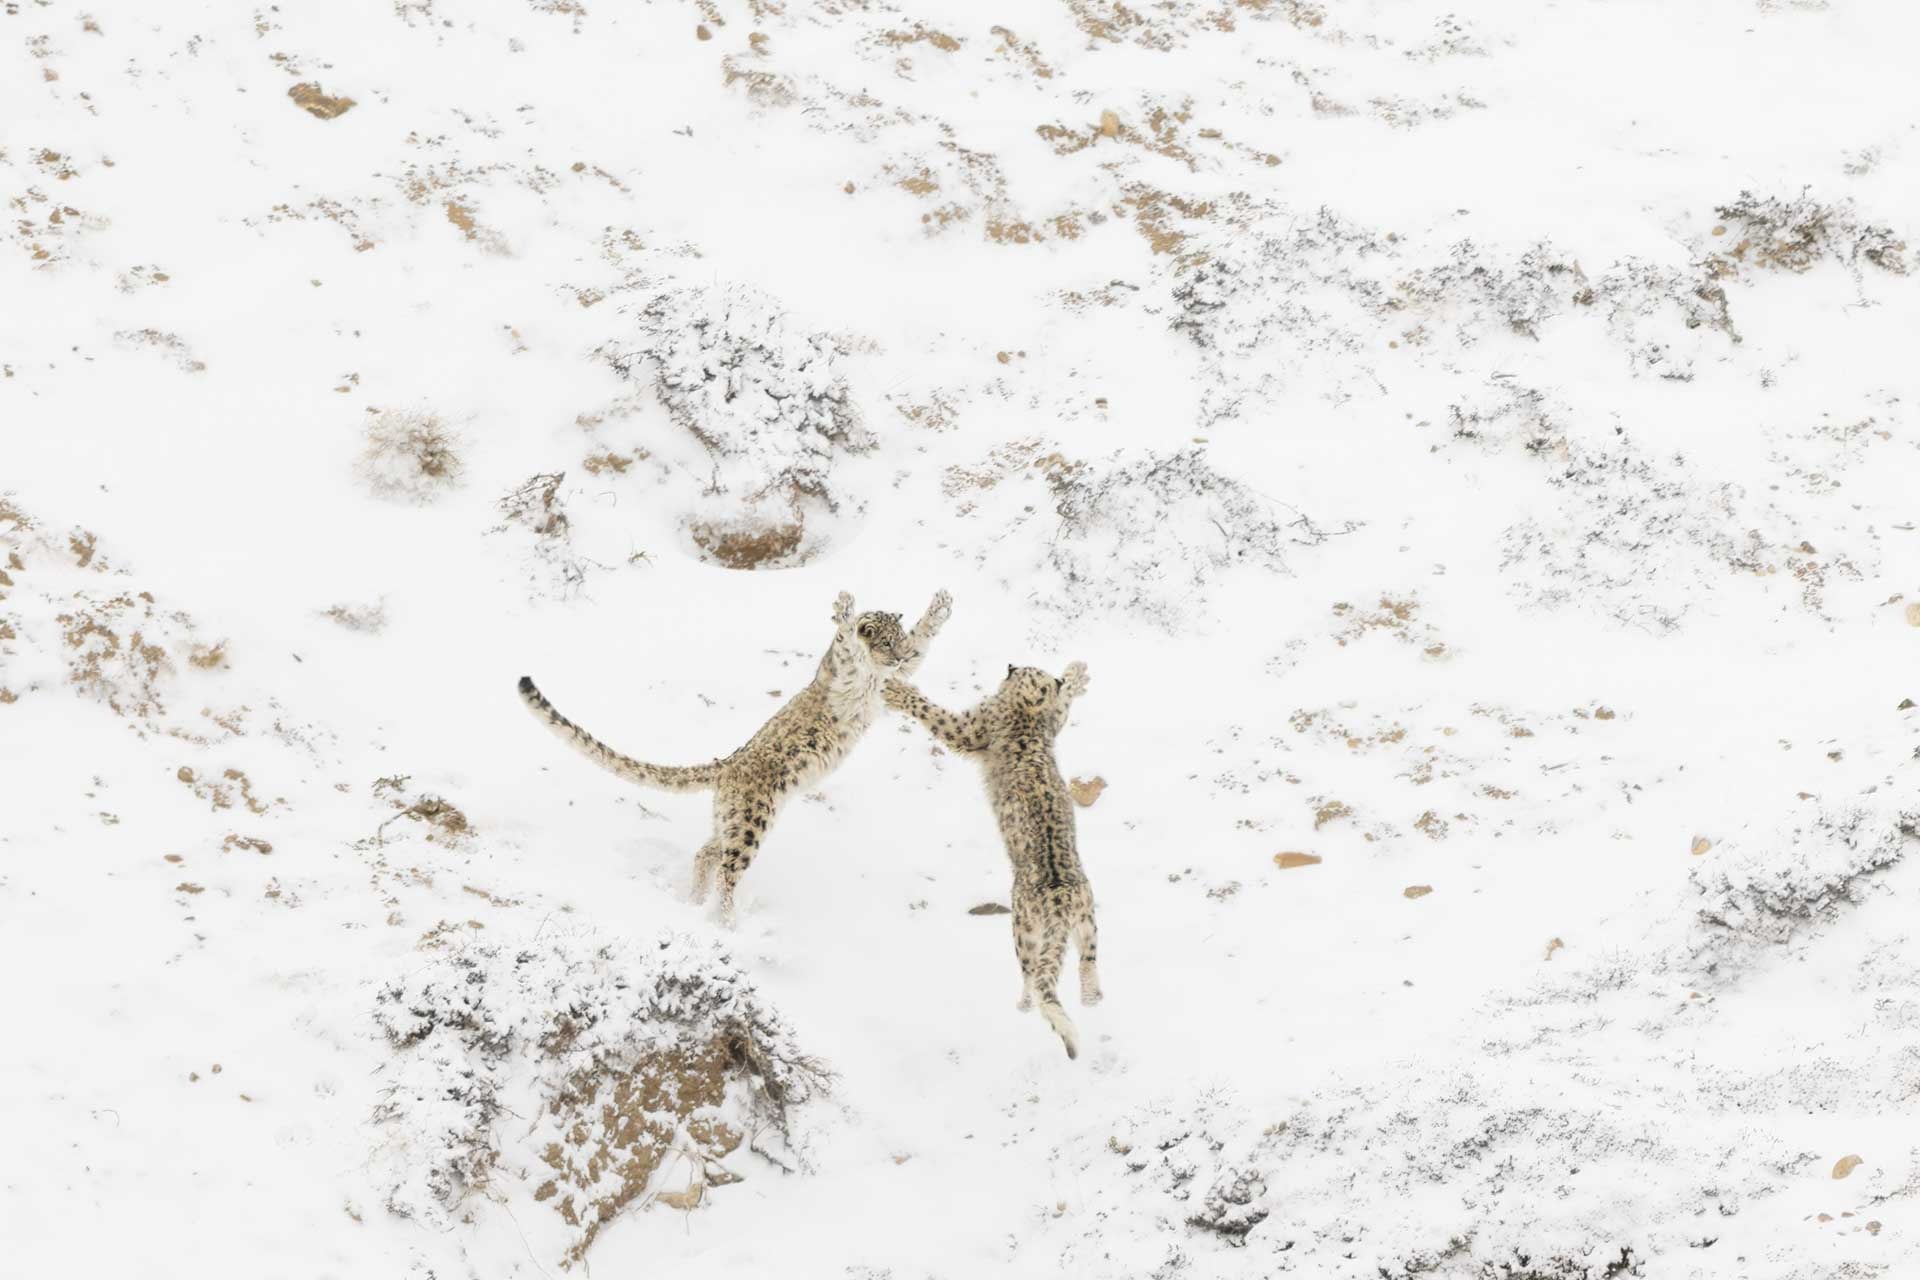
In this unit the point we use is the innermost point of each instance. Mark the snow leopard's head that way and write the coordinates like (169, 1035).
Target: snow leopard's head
(885, 638)
(1030, 688)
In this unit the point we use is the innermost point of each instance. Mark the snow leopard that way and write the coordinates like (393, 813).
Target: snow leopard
(1011, 733)
(803, 742)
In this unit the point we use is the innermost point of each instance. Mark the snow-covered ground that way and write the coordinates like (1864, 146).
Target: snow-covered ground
(1474, 450)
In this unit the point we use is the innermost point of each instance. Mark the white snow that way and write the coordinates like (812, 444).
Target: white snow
(1474, 448)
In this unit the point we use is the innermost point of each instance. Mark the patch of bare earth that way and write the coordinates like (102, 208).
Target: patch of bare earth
(316, 102)
(442, 821)
(750, 545)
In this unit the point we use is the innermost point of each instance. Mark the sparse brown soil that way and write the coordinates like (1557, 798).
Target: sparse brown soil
(921, 35)
(310, 98)
(621, 1129)
(446, 825)
(1330, 811)
(767, 88)
(125, 673)
(749, 545)
(232, 786)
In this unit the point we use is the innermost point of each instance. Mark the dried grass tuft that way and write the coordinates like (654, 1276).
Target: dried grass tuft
(410, 456)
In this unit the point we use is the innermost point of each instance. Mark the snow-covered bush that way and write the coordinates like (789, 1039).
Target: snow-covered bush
(1150, 535)
(633, 1071)
(767, 400)
(1475, 289)
(410, 456)
(537, 507)
(1441, 1171)
(1202, 294)
(368, 618)
(1527, 1146)
(1646, 538)
(1275, 293)
(1768, 887)
(1792, 235)
(1662, 316)
(1278, 294)
(1637, 536)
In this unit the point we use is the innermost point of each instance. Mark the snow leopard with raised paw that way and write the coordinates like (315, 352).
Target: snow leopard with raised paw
(1012, 734)
(803, 742)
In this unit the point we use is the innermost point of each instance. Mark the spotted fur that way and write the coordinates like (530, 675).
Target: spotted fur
(803, 742)
(1012, 734)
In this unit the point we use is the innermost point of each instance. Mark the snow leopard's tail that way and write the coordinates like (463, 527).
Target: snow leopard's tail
(1046, 982)
(699, 777)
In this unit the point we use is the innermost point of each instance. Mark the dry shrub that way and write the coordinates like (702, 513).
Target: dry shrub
(1204, 1162)
(170, 343)
(730, 364)
(1792, 235)
(1645, 535)
(370, 618)
(410, 456)
(444, 822)
(1005, 460)
(1270, 293)
(1486, 1147)
(537, 507)
(1150, 535)
(1778, 883)
(767, 88)
(636, 1071)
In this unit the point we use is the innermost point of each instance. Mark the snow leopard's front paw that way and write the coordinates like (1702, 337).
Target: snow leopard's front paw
(897, 695)
(1074, 682)
(843, 609)
(940, 610)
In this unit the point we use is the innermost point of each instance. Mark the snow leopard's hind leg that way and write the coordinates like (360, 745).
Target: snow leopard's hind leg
(1086, 941)
(1040, 942)
(741, 824)
(705, 862)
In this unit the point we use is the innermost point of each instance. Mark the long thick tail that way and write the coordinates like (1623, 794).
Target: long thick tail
(699, 777)
(1046, 983)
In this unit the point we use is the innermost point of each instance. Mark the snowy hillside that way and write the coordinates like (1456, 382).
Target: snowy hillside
(1474, 451)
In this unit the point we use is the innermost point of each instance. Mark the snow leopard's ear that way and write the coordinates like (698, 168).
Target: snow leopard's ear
(1059, 683)
(1009, 671)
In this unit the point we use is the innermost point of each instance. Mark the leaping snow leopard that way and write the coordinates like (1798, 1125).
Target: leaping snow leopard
(803, 742)
(1012, 733)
